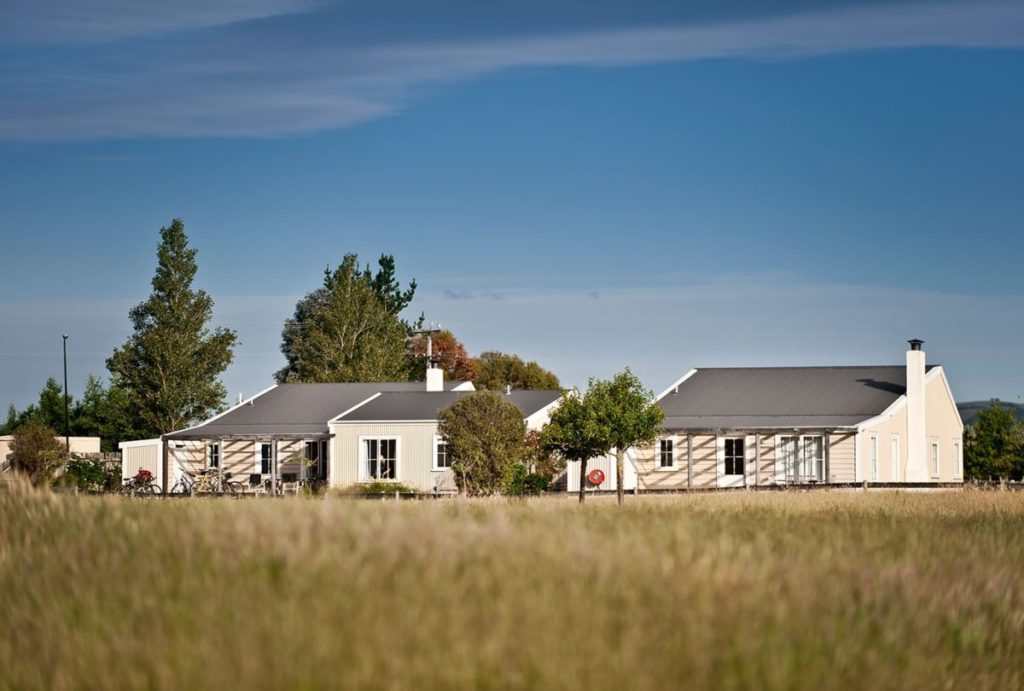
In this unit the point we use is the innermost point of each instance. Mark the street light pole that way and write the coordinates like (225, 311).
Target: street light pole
(67, 427)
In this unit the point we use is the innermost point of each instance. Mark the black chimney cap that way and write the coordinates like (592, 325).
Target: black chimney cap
(915, 343)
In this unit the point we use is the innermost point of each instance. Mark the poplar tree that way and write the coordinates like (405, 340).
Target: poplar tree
(172, 363)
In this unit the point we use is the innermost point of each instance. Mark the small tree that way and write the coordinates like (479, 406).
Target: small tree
(994, 445)
(575, 433)
(495, 371)
(628, 415)
(485, 433)
(36, 452)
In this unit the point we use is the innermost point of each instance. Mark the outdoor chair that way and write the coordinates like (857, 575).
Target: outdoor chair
(289, 483)
(256, 484)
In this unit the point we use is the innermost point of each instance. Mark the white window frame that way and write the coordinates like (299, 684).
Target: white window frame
(672, 453)
(434, 467)
(894, 458)
(213, 448)
(935, 461)
(362, 458)
(258, 457)
(743, 456)
(958, 459)
(790, 466)
(873, 457)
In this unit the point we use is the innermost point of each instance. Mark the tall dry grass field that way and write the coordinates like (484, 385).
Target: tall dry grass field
(762, 591)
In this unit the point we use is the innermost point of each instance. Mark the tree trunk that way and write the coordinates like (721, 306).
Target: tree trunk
(583, 480)
(619, 472)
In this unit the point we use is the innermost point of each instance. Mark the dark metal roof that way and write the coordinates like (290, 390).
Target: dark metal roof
(782, 397)
(295, 410)
(421, 405)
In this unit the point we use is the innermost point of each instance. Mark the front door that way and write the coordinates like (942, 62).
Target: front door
(732, 461)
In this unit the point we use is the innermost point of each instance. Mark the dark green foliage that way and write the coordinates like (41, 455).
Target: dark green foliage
(522, 482)
(383, 488)
(171, 364)
(575, 433)
(36, 453)
(495, 371)
(348, 329)
(12, 420)
(485, 434)
(994, 445)
(93, 474)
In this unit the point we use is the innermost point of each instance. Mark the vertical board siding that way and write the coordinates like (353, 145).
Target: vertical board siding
(415, 454)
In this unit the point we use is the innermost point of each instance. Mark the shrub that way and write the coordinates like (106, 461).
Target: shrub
(36, 453)
(485, 434)
(375, 488)
(93, 474)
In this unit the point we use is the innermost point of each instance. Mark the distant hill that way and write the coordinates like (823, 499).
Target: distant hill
(969, 410)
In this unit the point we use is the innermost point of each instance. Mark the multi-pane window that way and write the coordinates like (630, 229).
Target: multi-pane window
(894, 458)
(935, 459)
(266, 458)
(316, 451)
(381, 459)
(734, 456)
(442, 459)
(958, 459)
(666, 454)
(803, 458)
(213, 455)
(874, 458)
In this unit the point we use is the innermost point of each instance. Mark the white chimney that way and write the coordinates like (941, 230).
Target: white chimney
(435, 375)
(916, 461)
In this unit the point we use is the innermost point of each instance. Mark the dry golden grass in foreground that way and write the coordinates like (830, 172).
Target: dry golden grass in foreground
(767, 591)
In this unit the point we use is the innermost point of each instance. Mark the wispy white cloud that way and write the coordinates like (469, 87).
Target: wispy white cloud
(265, 88)
(90, 21)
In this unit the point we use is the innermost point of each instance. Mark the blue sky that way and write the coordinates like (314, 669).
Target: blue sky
(589, 184)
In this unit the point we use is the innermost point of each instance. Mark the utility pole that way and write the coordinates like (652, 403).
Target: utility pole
(67, 427)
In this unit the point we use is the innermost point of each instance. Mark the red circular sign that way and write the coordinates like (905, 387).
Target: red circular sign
(596, 476)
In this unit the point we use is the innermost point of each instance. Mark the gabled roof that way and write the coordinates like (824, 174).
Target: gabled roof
(295, 409)
(782, 397)
(422, 405)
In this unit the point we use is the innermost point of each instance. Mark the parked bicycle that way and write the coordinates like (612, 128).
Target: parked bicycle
(143, 483)
(207, 482)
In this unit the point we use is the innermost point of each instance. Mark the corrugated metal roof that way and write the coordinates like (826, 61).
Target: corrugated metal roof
(296, 409)
(421, 405)
(777, 397)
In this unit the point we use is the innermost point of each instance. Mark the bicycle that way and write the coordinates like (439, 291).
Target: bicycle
(207, 483)
(143, 483)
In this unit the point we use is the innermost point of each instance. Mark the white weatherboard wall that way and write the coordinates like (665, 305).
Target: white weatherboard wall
(145, 454)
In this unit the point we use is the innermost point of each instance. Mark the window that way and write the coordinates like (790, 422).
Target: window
(935, 459)
(894, 457)
(213, 455)
(873, 446)
(666, 454)
(958, 460)
(316, 451)
(734, 456)
(442, 459)
(803, 458)
(266, 458)
(380, 459)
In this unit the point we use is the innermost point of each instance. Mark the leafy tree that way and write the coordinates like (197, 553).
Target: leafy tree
(36, 452)
(12, 420)
(105, 412)
(575, 433)
(540, 460)
(451, 355)
(361, 309)
(627, 413)
(343, 332)
(485, 433)
(496, 370)
(171, 364)
(51, 405)
(994, 445)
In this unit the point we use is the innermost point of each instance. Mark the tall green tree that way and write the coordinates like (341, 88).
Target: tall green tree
(628, 415)
(172, 363)
(12, 420)
(495, 371)
(349, 328)
(345, 332)
(574, 433)
(486, 437)
(105, 412)
(36, 452)
(994, 445)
